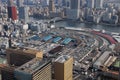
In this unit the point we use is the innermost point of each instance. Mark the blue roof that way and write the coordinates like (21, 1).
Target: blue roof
(46, 38)
(35, 37)
(57, 39)
(66, 41)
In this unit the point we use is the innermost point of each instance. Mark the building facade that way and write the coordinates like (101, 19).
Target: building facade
(12, 11)
(23, 14)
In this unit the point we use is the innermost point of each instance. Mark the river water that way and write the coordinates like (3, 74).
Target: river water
(109, 28)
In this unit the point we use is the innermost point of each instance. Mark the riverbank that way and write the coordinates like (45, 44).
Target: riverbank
(89, 22)
(77, 24)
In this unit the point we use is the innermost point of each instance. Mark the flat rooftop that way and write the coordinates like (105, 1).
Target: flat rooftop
(33, 65)
(117, 63)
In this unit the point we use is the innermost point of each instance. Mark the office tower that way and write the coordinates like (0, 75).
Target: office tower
(0, 6)
(58, 2)
(63, 68)
(19, 3)
(119, 16)
(75, 4)
(73, 12)
(23, 14)
(90, 3)
(12, 12)
(98, 4)
(36, 69)
(67, 3)
(10, 3)
(63, 2)
(51, 6)
(7, 72)
(18, 57)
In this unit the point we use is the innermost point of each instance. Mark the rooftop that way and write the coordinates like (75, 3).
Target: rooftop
(62, 58)
(117, 63)
(33, 65)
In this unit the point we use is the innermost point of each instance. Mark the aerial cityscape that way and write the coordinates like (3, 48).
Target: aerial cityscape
(59, 39)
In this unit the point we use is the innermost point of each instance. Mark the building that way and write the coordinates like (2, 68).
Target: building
(119, 16)
(114, 19)
(63, 67)
(58, 2)
(67, 2)
(90, 18)
(104, 61)
(106, 17)
(98, 4)
(0, 7)
(90, 3)
(51, 6)
(18, 57)
(73, 12)
(36, 69)
(19, 3)
(23, 14)
(7, 72)
(75, 4)
(12, 11)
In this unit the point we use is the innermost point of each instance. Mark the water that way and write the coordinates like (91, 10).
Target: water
(109, 28)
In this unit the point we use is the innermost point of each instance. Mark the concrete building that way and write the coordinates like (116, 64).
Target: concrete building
(90, 18)
(104, 61)
(19, 3)
(67, 3)
(119, 16)
(114, 19)
(75, 4)
(7, 72)
(90, 3)
(63, 68)
(51, 6)
(18, 57)
(98, 4)
(23, 14)
(106, 17)
(73, 12)
(12, 11)
(36, 69)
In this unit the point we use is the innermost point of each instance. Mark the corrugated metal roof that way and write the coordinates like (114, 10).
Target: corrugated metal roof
(102, 58)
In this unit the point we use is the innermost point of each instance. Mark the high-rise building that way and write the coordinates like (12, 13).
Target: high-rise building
(73, 12)
(36, 69)
(63, 68)
(19, 3)
(98, 4)
(0, 6)
(23, 13)
(10, 3)
(12, 12)
(67, 3)
(90, 3)
(7, 72)
(75, 4)
(51, 6)
(119, 16)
